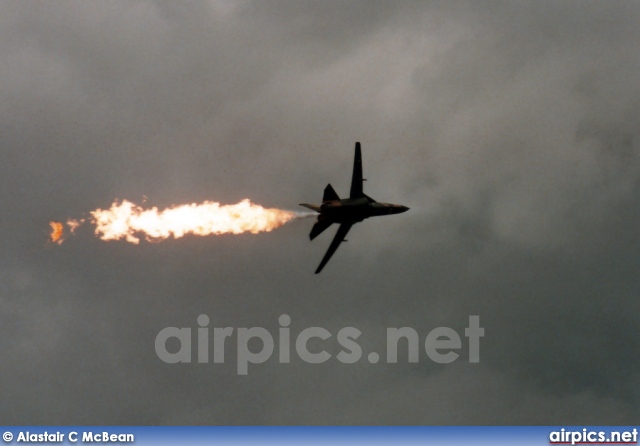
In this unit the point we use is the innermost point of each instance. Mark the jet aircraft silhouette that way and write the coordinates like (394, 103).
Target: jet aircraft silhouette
(347, 211)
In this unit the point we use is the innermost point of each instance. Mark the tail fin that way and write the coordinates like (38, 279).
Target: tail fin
(319, 228)
(356, 178)
(329, 194)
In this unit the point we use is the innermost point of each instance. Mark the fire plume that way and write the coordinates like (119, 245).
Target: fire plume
(128, 221)
(56, 231)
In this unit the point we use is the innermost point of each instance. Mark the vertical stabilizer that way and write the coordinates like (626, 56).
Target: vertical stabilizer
(356, 178)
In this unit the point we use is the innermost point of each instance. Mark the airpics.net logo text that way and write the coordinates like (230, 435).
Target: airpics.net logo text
(441, 344)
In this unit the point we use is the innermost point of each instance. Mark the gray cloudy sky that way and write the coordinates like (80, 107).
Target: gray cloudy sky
(511, 129)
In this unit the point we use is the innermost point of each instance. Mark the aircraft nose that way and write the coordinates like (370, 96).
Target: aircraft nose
(404, 208)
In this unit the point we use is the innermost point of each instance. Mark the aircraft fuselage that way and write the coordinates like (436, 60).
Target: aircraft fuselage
(358, 209)
(347, 211)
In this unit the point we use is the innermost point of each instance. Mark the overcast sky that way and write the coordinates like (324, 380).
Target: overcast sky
(511, 130)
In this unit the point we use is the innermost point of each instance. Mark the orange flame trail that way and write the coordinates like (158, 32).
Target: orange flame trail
(129, 221)
(56, 231)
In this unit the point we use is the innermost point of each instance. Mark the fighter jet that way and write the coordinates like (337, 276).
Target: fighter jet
(347, 211)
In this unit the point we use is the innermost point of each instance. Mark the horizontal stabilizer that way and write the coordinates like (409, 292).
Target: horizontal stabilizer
(313, 207)
(319, 228)
(329, 194)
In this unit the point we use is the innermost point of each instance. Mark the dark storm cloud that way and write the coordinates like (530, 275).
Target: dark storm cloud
(509, 128)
